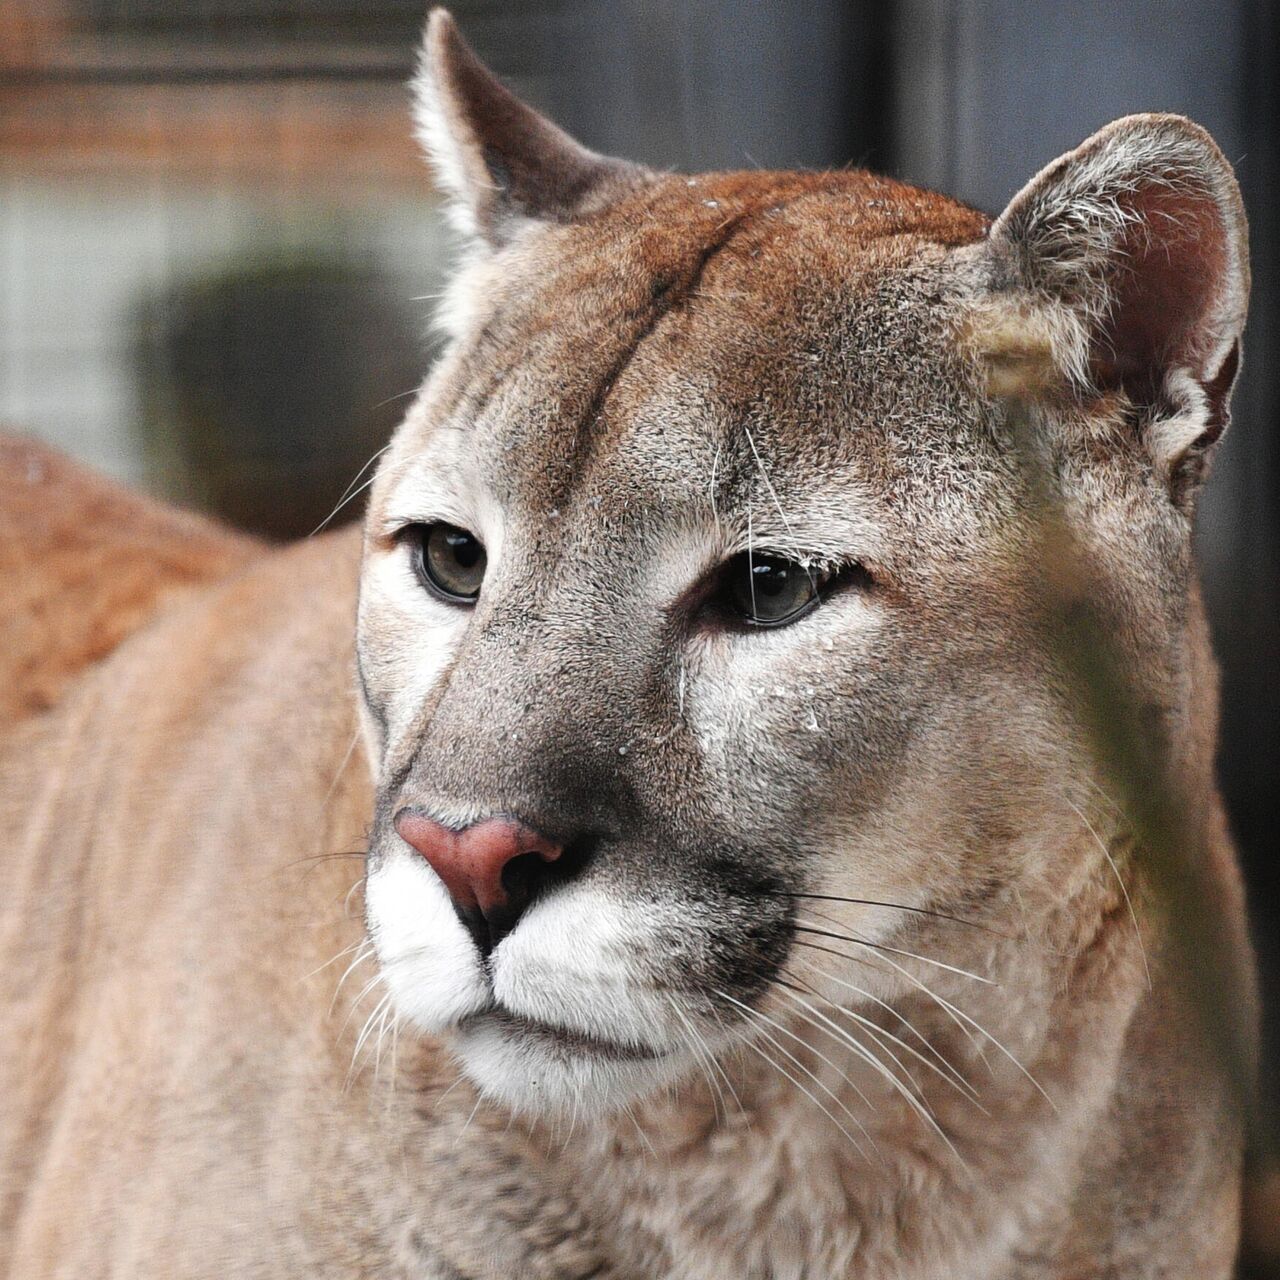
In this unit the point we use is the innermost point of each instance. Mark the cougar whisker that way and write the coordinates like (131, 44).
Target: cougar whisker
(750, 1042)
(1124, 888)
(914, 1100)
(899, 951)
(702, 1051)
(942, 1067)
(962, 1018)
(912, 979)
(891, 906)
(760, 1015)
(347, 494)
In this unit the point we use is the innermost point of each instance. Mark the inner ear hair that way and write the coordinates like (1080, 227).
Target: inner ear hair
(1129, 256)
(500, 164)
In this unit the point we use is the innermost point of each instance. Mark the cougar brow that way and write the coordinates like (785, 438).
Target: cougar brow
(672, 294)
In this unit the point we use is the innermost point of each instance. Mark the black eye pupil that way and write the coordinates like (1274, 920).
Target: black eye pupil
(771, 579)
(766, 590)
(466, 550)
(450, 562)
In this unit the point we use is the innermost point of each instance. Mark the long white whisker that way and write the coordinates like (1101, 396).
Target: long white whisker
(817, 1102)
(1124, 888)
(912, 1100)
(342, 768)
(347, 495)
(715, 462)
(350, 498)
(364, 953)
(897, 951)
(346, 951)
(845, 1037)
(882, 1038)
(346, 901)
(469, 1119)
(696, 1048)
(962, 1018)
(644, 1137)
(395, 1060)
(385, 1023)
(704, 1050)
(355, 1003)
(360, 1040)
(773, 493)
(369, 1024)
(764, 1017)
(888, 1008)
(942, 1068)
(871, 961)
(456, 1082)
(1114, 805)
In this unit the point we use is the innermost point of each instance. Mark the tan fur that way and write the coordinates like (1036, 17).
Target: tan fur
(643, 377)
(85, 564)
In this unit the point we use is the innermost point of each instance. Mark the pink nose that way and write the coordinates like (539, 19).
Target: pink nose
(471, 862)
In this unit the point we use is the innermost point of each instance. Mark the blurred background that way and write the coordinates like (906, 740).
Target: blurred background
(219, 249)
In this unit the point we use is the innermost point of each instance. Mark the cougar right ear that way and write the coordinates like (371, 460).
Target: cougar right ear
(1135, 245)
(501, 164)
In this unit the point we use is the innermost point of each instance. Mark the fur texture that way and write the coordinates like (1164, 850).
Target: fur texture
(84, 565)
(857, 970)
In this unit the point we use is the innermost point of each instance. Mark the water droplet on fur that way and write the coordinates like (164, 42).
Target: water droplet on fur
(691, 182)
(622, 751)
(712, 204)
(554, 513)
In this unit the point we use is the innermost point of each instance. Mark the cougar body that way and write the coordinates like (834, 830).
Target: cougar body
(833, 951)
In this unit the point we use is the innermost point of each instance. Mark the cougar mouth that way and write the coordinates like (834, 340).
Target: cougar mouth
(562, 1038)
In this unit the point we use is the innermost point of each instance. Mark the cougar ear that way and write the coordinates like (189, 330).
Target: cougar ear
(1135, 244)
(499, 162)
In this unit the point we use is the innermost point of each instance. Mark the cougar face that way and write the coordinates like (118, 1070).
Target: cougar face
(689, 602)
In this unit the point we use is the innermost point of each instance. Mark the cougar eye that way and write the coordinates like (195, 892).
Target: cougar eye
(768, 591)
(449, 562)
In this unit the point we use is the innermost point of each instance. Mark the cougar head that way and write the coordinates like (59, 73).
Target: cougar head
(694, 584)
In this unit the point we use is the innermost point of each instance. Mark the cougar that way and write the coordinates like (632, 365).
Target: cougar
(691, 833)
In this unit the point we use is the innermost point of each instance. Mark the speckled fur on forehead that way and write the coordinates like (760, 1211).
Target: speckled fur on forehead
(786, 302)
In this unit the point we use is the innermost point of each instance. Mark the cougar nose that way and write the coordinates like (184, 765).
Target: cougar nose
(491, 869)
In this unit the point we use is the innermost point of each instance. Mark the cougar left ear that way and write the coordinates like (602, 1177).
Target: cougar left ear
(1135, 245)
(500, 163)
